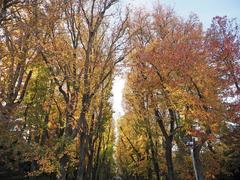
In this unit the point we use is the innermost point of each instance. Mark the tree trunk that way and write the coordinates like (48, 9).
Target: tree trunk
(154, 157)
(197, 162)
(168, 139)
(96, 165)
(149, 171)
(63, 172)
(168, 156)
(82, 127)
(82, 154)
(90, 159)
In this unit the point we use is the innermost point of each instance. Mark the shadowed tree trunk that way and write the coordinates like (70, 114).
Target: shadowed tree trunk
(168, 139)
(197, 161)
(154, 156)
(168, 156)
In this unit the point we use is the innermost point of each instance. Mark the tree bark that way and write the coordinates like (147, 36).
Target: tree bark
(153, 157)
(82, 154)
(197, 162)
(63, 172)
(96, 165)
(168, 156)
(168, 139)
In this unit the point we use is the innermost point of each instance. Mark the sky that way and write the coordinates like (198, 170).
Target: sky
(118, 86)
(205, 9)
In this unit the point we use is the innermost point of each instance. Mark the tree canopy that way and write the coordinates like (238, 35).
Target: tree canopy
(58, 61)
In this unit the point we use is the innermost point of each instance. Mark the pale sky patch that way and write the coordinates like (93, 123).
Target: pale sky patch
(118, 87)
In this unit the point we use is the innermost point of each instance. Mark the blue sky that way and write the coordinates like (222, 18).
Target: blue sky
(205, 9)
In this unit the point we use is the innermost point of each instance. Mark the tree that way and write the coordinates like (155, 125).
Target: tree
(65, 51)
(170, 69)
(223, 41)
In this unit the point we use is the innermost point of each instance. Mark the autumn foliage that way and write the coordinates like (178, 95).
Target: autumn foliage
(58, 60)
